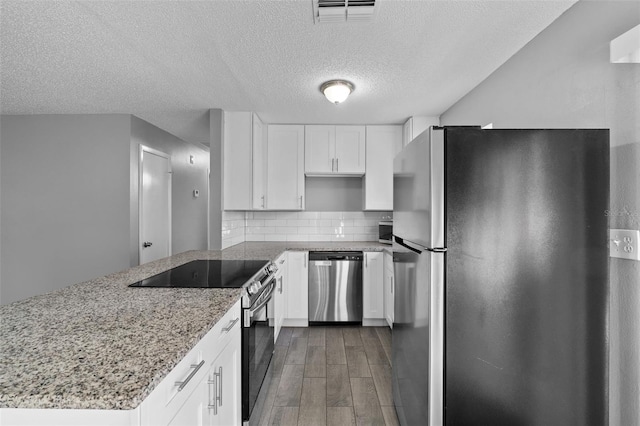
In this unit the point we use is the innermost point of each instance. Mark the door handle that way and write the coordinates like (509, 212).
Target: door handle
(219, 391)
(147, 244)
(195, 368)
(213, 386)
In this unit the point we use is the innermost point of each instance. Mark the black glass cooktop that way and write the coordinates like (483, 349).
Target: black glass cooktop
(206, 274)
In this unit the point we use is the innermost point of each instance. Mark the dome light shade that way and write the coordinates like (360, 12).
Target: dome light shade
(336, 91)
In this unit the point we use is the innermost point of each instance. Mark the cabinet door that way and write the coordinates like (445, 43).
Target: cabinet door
(285, 167)
(194, 410)
(319, 150)
(407, 132)
(297, 286)
(259, 164)
(372, 291)
(383, 143)
(350, 149)
(224, 387)
(388, 289)
(279, 300)
(237, 166)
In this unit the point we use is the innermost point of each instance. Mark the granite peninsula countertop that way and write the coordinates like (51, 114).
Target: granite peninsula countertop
(103, 345)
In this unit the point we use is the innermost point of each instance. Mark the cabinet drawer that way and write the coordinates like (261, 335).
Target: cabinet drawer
(220, 335)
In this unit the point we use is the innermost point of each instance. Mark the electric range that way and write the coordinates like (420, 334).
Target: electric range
(257, 277)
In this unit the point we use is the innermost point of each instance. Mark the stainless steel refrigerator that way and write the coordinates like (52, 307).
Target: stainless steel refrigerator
(501, 272)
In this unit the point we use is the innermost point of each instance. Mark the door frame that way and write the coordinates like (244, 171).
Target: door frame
(141, 150)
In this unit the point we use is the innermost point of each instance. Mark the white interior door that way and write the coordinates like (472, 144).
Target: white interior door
(155, 205)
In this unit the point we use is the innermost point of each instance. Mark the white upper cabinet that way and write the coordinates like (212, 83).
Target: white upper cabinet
(334, 150)
(244, 161)
(237, 147)
(407, 132)
(285, 167)
(416, 125)
(319, 149)
(350, 149)
(259, 164)
(383, 144)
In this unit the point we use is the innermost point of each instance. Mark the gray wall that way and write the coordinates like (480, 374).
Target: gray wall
(216, 129)
(65, 200)
(563, 78)
(189, 219)
(333, 194)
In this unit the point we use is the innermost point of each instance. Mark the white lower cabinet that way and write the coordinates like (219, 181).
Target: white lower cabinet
(205, 387)
(224, 387)
(216, 400)
(372, 289)
(279, 299)
(388, 288)
(296, 289)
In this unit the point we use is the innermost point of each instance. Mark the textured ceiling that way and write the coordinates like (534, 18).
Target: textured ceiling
(170, 61)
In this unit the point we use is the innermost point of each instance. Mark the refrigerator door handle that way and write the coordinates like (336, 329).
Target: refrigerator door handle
(438, 249)
(413, 247)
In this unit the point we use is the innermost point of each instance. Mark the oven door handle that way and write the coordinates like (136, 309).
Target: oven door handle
(265, 300)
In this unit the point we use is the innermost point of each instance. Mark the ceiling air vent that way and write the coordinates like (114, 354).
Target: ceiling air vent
(334, 11)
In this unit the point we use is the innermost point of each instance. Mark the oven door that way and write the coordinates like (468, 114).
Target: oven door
(257, 347)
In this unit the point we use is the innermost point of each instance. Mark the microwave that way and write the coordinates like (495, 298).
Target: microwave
(385, 232)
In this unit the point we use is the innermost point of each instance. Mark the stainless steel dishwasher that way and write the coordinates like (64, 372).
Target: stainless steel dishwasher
(335, 287)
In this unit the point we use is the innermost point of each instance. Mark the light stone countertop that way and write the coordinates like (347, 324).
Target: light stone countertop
(103, 345)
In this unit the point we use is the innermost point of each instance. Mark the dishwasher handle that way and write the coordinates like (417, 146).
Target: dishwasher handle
(351, 256)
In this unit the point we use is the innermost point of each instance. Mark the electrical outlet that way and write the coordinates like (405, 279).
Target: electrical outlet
(623, 243)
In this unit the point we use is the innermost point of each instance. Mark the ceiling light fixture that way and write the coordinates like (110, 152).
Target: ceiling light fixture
(336, 91)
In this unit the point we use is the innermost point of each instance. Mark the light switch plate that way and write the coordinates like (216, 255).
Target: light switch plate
(623, 243)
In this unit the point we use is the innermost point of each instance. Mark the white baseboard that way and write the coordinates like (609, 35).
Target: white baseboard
(374, 322)
(293, 322)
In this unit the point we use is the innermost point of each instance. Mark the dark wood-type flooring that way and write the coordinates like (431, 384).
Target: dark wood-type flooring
(329, 376)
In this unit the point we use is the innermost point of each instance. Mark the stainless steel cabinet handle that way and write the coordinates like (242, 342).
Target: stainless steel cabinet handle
(391, 284)
(305, 260)
(262, 198)
(212, 385)
(333, 160)
(301, 201)
(219, 392)
(280, 279)
(195, 367)
(337, 165)
(366, 260)
(230, 326)
(147, 244)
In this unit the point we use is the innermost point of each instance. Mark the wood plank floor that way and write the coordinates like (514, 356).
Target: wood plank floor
(330, 375)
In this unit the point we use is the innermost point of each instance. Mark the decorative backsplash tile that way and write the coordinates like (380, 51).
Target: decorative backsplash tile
(313, 226)
(233, 228)
(238, 227)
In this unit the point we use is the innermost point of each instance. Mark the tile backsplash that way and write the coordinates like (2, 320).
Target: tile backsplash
(238, 227)
(313, 226)
(233, 228)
